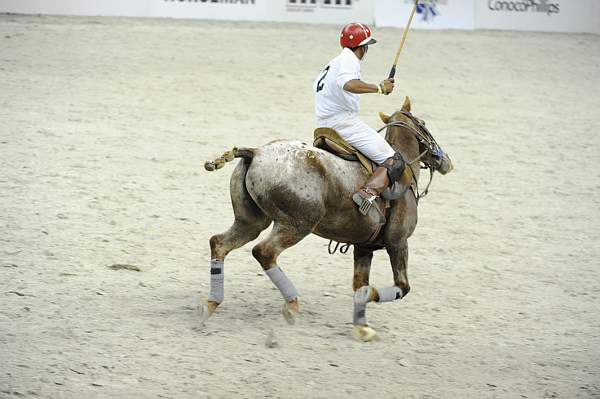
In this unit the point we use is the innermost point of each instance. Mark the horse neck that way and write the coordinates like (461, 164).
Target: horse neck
(404, 142)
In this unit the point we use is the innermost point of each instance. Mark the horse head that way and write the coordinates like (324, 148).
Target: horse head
(408, 135)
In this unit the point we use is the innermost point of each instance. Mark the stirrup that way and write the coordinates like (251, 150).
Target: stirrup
(366, 203)
(366, 208)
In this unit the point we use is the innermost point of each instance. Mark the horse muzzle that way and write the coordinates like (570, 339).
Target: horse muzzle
(445, 165)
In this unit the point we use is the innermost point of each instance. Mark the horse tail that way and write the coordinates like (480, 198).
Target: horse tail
(245, 153)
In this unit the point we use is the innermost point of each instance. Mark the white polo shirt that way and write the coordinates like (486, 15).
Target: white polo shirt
(330, 97)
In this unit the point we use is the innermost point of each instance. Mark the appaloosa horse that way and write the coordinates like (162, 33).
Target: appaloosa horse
(303, 190)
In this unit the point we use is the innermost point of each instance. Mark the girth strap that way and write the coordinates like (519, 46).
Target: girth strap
(384, 206)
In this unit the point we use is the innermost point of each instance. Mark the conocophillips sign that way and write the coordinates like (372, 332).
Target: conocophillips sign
(539, 6)
(536, 15)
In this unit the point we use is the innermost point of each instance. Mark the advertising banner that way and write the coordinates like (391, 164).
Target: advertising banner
(323, 11)
(538, 15)
(306, 11)
(129, 8)
(431, 14)
(237, 10)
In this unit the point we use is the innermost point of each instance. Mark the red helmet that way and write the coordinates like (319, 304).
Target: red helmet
(356, 34)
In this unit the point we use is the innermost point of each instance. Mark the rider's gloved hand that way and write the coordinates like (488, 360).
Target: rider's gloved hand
(387, 86)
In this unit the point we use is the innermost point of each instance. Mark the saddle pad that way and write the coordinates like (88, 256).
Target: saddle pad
(329, 140)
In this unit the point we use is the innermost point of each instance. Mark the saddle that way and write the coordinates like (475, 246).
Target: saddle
(329, 140)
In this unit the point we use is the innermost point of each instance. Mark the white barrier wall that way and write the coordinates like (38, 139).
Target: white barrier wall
(308, 11)
(536, 15)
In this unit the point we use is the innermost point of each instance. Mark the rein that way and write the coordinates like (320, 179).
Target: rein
(343, 249)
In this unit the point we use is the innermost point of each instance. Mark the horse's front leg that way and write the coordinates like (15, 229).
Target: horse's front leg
(398, 253)
(399, 259)
(362, 268)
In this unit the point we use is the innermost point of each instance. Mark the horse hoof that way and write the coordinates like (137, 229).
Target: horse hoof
(204, 313)
(206, 310)
(363, 295)
(365, 334)
(290, 311)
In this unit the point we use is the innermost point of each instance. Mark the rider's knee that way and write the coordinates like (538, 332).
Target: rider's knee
(395, 167)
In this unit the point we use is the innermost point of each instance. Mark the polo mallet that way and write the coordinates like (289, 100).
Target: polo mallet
(406, 29)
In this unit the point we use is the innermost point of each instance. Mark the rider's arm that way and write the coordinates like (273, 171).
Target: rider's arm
(357, 86)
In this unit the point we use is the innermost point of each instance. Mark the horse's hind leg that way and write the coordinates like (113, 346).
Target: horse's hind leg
(239, 234)
(266, 252)
(249, 222)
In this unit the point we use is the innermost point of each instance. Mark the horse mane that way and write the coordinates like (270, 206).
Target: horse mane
(405, 107)
(400, 143)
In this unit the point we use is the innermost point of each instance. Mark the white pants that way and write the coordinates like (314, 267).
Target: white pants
(361, 136)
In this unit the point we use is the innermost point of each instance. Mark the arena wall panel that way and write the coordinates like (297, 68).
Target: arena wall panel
(534, 15)
(307, 11)
(447, 14)
(595, 17)
(530, 15)
(248, 10)
(129, 8)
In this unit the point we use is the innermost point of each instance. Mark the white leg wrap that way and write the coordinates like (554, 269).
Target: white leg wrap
(217, 292)
(389, 294)
(359, 316)
(281, 281)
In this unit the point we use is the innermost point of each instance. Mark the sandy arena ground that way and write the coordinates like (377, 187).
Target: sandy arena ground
(105, 125)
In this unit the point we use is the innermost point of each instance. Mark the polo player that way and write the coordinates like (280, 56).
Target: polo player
(337, 90)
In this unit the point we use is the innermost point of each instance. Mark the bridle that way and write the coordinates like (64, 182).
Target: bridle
(424, 137)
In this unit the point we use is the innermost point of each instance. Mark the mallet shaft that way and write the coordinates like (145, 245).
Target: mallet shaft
(406, 29)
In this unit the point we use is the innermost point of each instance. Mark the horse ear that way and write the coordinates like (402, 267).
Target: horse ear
(384, 118)
(406, 105)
